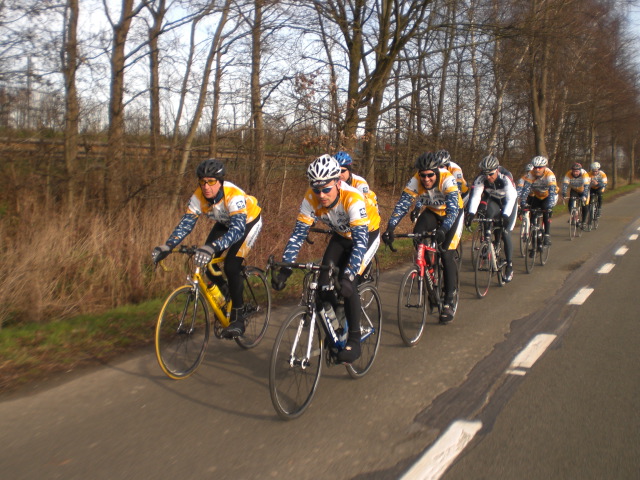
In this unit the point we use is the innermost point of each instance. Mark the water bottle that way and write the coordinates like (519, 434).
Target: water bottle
(330, 315)
(217, 295)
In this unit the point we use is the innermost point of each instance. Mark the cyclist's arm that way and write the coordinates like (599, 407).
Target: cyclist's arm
(360, 238)
(452, 208)
(476, 196)
(184, 228)
(237, 227)
(524, 195)
(553, 195)
(401, 209)
(298, 236)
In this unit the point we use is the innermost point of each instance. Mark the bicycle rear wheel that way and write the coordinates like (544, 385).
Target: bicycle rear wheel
(293, 378)
(370, 328)
(501, 261)
(532, 251)
(257, 307)
(412, 307)
(182, 333)
(596, 217)
(371, 274)
(483, 269)
(476, 239)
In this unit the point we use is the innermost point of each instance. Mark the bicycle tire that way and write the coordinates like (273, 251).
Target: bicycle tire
(501, 261)
(476, 239)
(412, 307)
(371, 274)
(458, 256)
(291, 385)
(524, 232)
(182, 333)
(257, 307)
(483, 270)
(530, 258)
(596, 217)
(544, 254)
(370, 328)
(573, 224)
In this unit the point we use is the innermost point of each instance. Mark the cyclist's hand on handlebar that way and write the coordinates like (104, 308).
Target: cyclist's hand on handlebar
(279, 280)
(415, 213)
(203, 255)
(160, 253)
(440, 236)
(469, 219)
(388, 237)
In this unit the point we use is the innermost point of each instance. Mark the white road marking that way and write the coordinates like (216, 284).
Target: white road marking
(580, 297)
(606, 268)
(621, 251)
(633, 236)
(436, 460)
(530, 354)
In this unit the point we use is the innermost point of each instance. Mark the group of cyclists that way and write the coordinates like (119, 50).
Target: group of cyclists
(343, 201)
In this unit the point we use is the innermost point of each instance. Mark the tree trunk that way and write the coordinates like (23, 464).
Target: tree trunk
(256, 171)
(69, 55)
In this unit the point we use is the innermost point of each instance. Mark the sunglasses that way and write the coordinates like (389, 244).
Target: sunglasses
(324, 190)
(538, 168)
(211, 182)
(489, 173)
(343, 170)
(427, 175)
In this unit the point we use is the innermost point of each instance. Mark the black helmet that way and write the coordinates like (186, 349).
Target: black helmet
(489, 163)
(211, 168)
(427, 161)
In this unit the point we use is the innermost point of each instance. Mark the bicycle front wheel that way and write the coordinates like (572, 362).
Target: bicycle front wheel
(370, 329)
(412, 307)
(293, 377)
(476, 240)
(532, 251)
(596, 217)
(257, 307)
(182, 333)
(544, 254)
(573, 224)
(483, 269)
(524, 234)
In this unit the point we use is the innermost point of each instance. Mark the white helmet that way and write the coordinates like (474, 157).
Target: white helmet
(595, 166)
(539, 161)
(322, 170)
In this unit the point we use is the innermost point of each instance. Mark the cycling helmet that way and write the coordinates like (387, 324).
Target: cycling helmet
(211, 168)
(489, 164)
(528, 167)
(595, 166)
(576, 166)
(427, 161)
(322, 170)
(444, 158)
(539, 161)
(343, 158)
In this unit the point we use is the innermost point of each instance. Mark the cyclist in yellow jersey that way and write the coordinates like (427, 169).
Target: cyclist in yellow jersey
(540, 190)
(598, 184)
(577, 182)
(238, 223)
(351, 247)
(437, 189)
(353, 180)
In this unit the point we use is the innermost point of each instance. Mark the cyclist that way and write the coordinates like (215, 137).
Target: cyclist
(540, 190)
(598, 184)
(577, 182)
(499, 192)
(351, 247)
(437, 189)
(444, 161)
(527, 168)
(238, 223)
(353, 180)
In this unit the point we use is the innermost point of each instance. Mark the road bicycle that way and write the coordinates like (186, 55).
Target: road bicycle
(490, 259)
(535, 242)
(476, 237)
(525, 230)
(371, 272)
(313, 335)
(593, 215)
(182, 330)
(421, 288)
(575, 217)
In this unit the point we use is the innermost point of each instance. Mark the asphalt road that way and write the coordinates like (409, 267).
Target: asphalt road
(571, 414)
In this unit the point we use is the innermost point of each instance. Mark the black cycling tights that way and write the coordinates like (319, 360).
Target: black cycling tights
(494, 210)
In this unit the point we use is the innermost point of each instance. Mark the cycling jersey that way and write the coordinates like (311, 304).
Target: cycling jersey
(348, 217)
(598, 180)
(502, 190)
(542, 188)
(232, 207)
(444, 199)
(456, 171)
(579, 184)
(370, 197)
